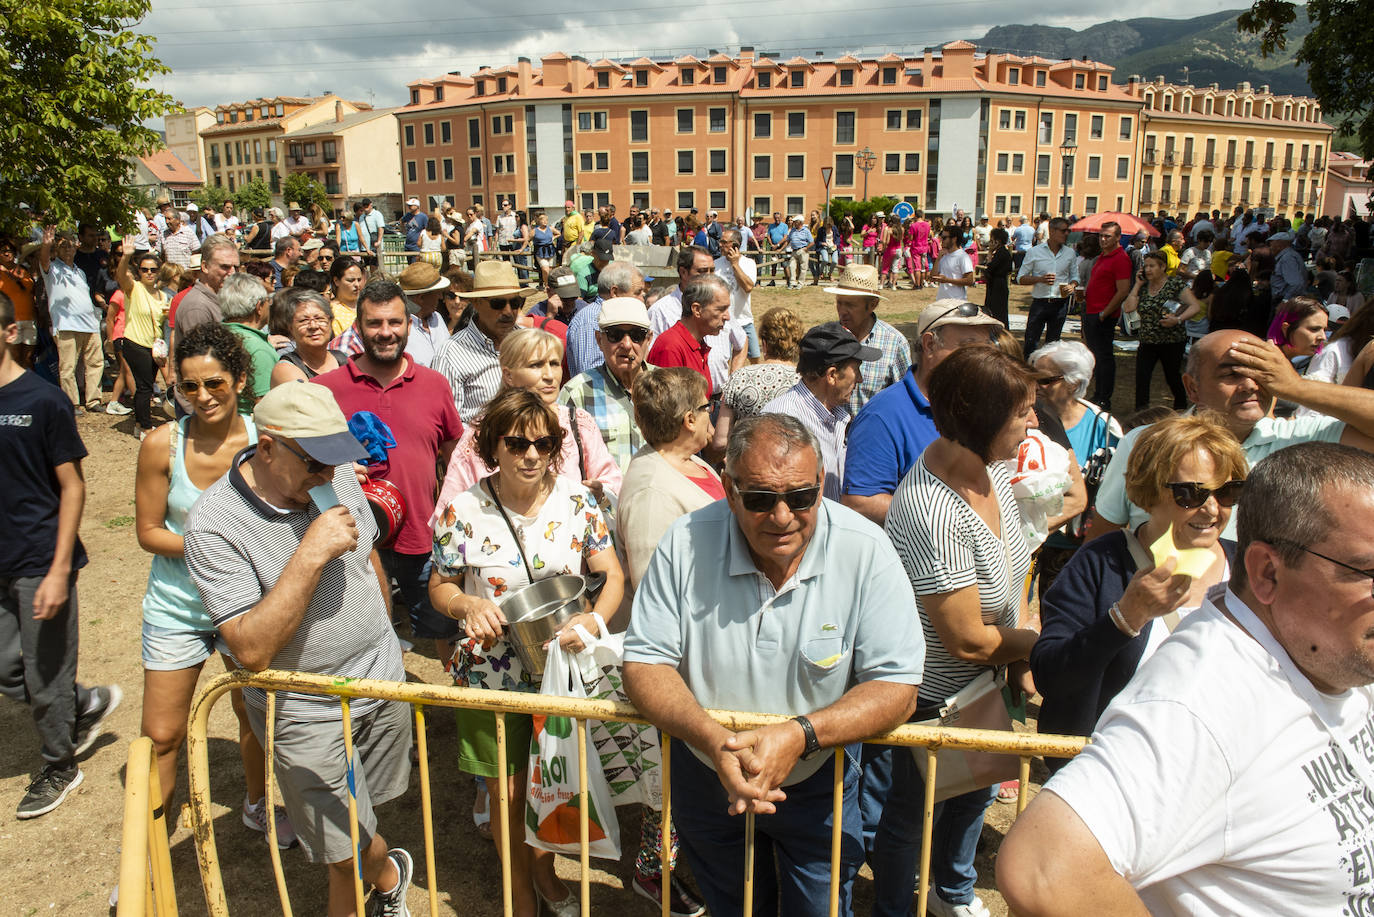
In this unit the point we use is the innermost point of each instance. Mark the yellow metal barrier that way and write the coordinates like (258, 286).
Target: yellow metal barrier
(145, 860)
(419, 696)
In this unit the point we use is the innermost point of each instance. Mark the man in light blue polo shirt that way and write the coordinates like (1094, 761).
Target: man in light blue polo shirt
(896, 425)
(773, 601)
(1237, 375)
(777, 231)
(1048, 269)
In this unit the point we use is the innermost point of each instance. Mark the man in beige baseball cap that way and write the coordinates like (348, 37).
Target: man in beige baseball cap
(295, 583)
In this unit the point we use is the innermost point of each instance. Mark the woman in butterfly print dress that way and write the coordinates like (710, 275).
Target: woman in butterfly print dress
(477, 562)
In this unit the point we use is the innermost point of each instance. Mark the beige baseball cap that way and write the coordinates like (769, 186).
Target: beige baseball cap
(309, 414)
(624, 310)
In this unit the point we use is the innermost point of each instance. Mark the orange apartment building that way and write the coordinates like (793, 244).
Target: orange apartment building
(952, 127)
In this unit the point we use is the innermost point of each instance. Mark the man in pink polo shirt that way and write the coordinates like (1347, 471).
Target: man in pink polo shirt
(415, 402)
(1108, 285)
(705, 307)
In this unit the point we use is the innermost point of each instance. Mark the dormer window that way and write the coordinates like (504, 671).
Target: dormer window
(1101, 84)
(641, 77)
(1014, 76)
(603, 80)
(718, 75)
(847, 77)
(889, 76)
(798, 79)
(500, 84)
(438, 93)
(687, 76)
(481, 87)
(763, 80)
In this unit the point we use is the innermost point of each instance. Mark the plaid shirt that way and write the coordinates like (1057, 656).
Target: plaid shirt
(885, 370)
(598, 392)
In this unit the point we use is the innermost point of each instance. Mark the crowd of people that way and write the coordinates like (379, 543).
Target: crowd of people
(839, 524)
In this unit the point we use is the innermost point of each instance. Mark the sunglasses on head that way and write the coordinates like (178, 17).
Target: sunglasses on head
(965, 310)
(763, 501)
(544, 445)
(501, 305)
(618, 334)
(1191, 495)
(215, 386)
(312, 466)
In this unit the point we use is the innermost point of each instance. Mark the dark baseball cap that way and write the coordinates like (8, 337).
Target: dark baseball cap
(602, 249)
(830, 344)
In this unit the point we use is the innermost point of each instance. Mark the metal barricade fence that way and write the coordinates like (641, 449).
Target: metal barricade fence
(145, 835)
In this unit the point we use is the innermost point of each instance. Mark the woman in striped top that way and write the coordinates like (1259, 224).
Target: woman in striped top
(955, 525)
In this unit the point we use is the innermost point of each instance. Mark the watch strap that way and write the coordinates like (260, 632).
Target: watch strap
(813, 746)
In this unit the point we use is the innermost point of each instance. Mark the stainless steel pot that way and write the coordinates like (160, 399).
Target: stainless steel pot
(534, 613)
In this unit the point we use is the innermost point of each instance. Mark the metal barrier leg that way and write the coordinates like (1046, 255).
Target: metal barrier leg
(1023, 791)
(426, 814)
(665, 856)
(134, 875)
(927, 832)
(836, 831)
(159, 849)
(270, 802)
(503, 809)
(351, 766)
(583, 828)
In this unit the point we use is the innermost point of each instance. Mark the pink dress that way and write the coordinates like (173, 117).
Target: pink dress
(890, 250)
(918, 243)
(466, 467)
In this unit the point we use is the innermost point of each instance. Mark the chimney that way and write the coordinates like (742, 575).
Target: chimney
(1243, 86)
(555, 70)
(1214, 86)
(338, 111)
(524, 75)
(577, 72)
(1264, 89)
(746, 53)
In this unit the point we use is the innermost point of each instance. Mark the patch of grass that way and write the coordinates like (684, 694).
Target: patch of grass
(119, 522)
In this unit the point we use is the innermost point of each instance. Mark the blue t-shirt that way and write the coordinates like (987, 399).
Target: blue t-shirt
(37, 434)
(890, 433)
(415, 224)
(1092, 432)
(1023, 237)
(777, 232)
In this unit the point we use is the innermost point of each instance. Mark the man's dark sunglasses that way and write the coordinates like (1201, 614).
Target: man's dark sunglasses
(501, 305)
(965, 310)
(519, 445)
(617, 334)
(312, 466)
(763, 501)
(1191, 495)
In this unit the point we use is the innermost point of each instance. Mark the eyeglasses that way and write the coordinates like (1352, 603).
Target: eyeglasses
(1191, 495)
(501, 305)
(965, 310)
(317, 321)
(312, 466)
(148, 270)
(616, 335)
(763, 501)
(1050, 380)
(544, 445)
(215, 386)
(1340, 563)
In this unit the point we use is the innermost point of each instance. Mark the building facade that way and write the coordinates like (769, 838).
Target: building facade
(950, 128)
(352, 155)
(1349, 187)
(182, 130)
(245, 142)
(162, 175)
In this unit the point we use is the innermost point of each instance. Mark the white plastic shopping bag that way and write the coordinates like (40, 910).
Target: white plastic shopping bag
(552, 800)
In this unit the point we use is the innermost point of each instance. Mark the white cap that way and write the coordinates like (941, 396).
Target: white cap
(413, 202)
(191, 207)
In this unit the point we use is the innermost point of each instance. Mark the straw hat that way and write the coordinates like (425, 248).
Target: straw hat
(421, 277)
(497, 278)
(857, 280)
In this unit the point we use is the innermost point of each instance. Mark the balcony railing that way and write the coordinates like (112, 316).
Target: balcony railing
(1209, 161)
(1269, 162)
(1170, 159)
(1150, 157)
(1187, 159)
(1302, 164)
(1249, 162)
(1230, 162)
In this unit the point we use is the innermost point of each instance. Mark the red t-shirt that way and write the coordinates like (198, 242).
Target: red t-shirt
(711, 485)
(418, 407)
(1107, 270)
(172, 309)
(677, 347)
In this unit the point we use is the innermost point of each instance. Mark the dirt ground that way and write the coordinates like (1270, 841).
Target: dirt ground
(67, 862)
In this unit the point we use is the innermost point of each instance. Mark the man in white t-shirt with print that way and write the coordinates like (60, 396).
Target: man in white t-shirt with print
(954, 271)
(1234, 774)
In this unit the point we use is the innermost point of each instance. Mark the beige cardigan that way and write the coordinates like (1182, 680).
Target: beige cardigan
(652, 496)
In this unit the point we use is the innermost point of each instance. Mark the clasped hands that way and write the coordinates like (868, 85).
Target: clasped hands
(752, 765)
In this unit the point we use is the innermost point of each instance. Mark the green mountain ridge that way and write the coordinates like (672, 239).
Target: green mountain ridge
(1202, 50)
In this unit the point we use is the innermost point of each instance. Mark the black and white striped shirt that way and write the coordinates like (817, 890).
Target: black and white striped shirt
(469, 362)
(946, 546)
(237, 546)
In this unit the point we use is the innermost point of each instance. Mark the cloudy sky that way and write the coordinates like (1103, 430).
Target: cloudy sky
(241, 49)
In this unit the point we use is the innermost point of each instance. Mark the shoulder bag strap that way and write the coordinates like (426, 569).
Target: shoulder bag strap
(519, 544)
(577, 441)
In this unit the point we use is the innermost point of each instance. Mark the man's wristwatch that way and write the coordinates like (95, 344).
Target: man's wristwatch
(813, 746)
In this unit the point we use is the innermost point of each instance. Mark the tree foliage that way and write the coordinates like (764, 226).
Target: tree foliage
(1338, 52)
(209, 197)
(304, 190)
(860, 211)
(251, 194)
(73, 95)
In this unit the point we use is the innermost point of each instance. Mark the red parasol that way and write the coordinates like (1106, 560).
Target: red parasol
(1130, 225)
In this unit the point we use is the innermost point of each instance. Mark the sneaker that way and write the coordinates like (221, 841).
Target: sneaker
(118, 408)
(942, 908)
(78, 410)
(104, 700)
(48, 789)
(94, 405)
(255, 817)
(393, 903)
(681, 900)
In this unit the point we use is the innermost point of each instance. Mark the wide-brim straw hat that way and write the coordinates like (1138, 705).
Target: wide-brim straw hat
(857, 280)
(497, 278)
(421, 277)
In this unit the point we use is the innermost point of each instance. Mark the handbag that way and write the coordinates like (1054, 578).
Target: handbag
(977, 705)
(552, 801)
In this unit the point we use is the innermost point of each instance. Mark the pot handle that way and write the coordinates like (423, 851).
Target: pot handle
(595, 583)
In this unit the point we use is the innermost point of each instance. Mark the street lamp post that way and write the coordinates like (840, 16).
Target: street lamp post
(1066, 153)
(865, 160)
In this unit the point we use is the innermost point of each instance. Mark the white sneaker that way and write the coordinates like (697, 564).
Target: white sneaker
(255, 817)
(118, 409)
(942, 908)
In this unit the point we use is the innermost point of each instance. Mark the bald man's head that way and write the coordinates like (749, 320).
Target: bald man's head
(1213, 382)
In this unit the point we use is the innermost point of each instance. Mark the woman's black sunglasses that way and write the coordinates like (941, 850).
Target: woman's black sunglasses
(1191, 495)
(519, 445)
(763, 501)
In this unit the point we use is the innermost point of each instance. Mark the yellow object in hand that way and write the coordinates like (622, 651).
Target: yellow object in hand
(1191, 562)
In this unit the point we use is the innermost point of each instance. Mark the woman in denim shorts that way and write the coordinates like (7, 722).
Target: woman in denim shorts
(175, 463)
